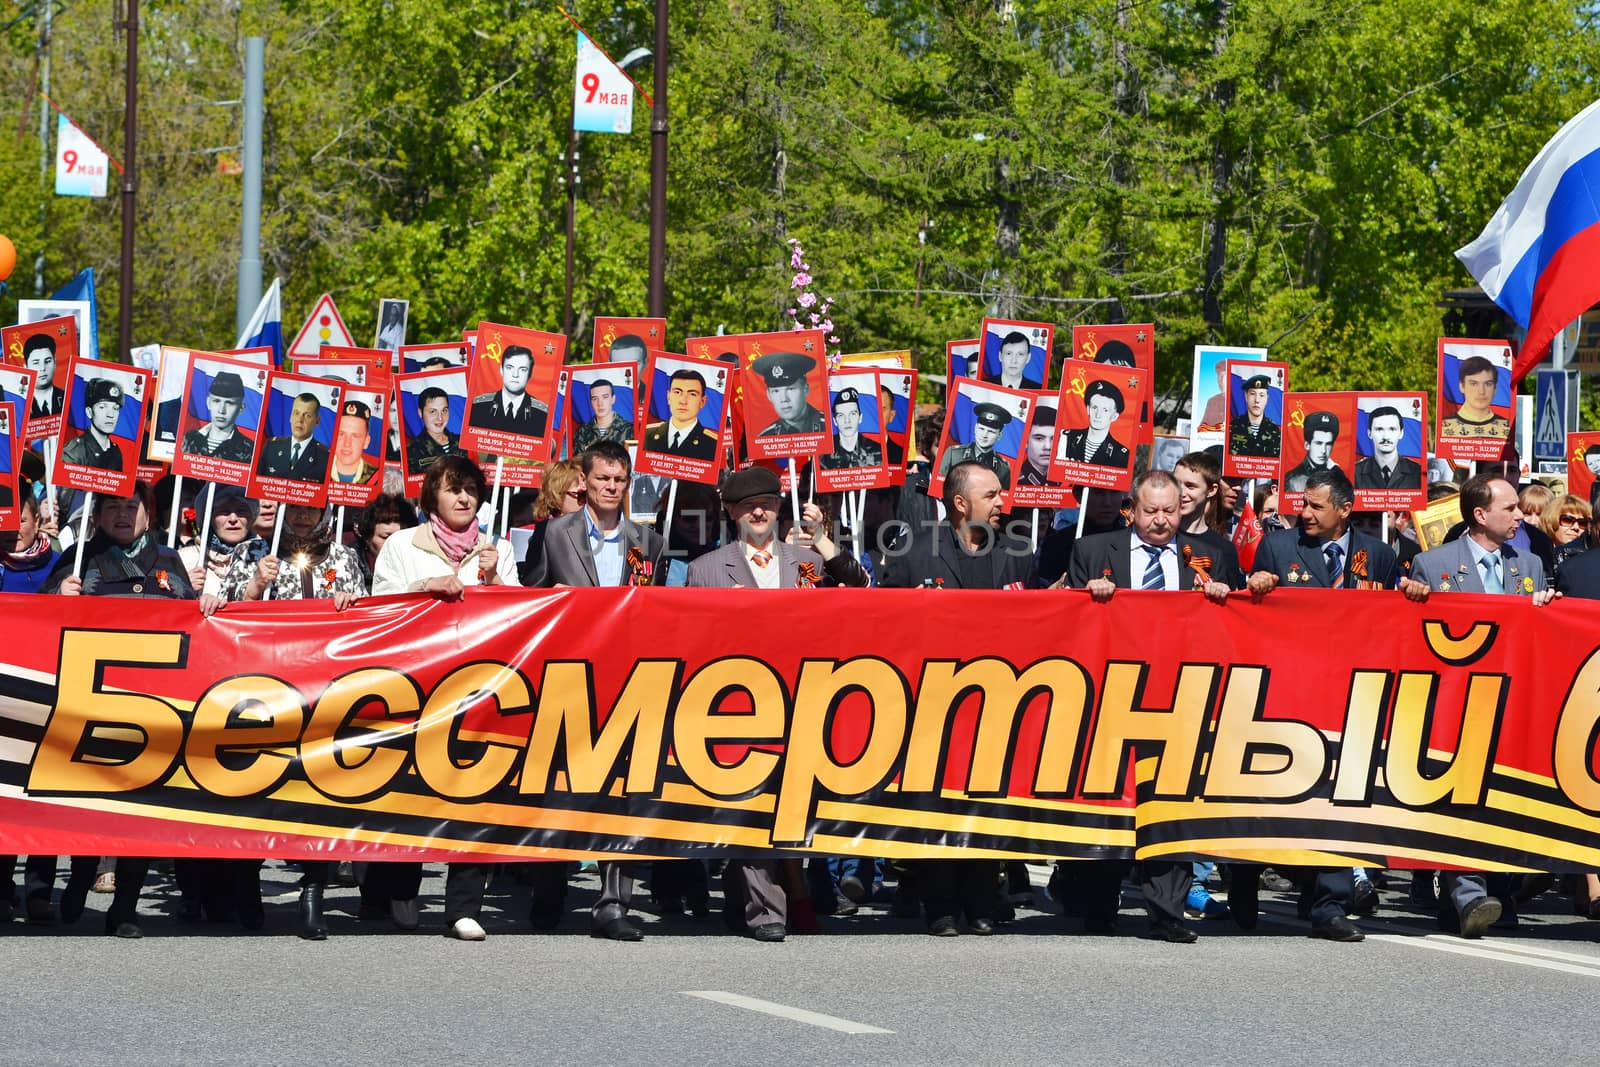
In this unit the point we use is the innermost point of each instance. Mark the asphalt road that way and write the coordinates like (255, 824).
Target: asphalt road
(870, 989)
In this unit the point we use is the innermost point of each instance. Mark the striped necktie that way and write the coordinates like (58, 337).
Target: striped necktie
(1335, 556)
(1153, 576)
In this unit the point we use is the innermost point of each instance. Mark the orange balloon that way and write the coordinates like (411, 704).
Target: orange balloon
(8, 257)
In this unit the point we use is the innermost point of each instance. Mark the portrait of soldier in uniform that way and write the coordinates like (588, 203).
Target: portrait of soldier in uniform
(102, 401)
(1253, 434)
(220, 437)
(1094, 444)
(988, 421)
(850, 449)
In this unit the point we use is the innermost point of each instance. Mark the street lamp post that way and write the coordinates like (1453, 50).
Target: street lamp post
(658, 172)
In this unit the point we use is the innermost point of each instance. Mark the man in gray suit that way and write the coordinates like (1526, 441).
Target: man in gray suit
(596, 546)
(1481, 560)
(759, 559)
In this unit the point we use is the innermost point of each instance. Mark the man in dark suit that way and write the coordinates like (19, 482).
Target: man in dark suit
(1481, 560)
(511, 410)
(597, 547)
(967, 551)
(300, 456)
(1386, 468)
(682, 434)
(759, 559)
(1154, 554)
(39, 356)
(1104, 403)
(1014, 355)
(1325, 552)
(1580, 576)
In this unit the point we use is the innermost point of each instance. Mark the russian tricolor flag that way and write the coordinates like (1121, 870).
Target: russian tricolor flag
(1539, 257)
(265, 329)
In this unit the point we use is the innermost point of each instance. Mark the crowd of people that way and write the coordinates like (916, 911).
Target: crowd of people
(577, 531)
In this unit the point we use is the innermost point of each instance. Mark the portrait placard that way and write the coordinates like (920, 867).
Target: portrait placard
(1583, 466)
(1253, 447)
(963, 359)
(414, 358)
(602, 403)
(10, 452)
(1035, 488)
(634, 339)
(16, 389)
(983, 423)
(1208, 397)
(102, 422)
(355, 469)
(81, 312)
(1476, 408)
(1128, 344)
(782, 389)
(220, 418)
(432, 406)
(513, 385)
(391, 335)
(685, 399)
(1319, 433)
(167, 424)
(857, 458)
(44, 347)
(293, 450)
(1391, 451)
(898, 392)
(1007, 363)
(898, 359)
(1097, 414)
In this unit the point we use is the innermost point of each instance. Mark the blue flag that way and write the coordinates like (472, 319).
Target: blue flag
(81, 287)
(265, 329)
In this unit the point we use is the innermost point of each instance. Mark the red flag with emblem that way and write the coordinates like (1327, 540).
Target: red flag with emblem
(1247, 535)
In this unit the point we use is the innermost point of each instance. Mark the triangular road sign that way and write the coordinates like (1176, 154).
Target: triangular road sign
(324, 327)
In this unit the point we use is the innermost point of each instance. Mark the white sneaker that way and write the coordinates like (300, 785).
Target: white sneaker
(407, 914)
(467, 930)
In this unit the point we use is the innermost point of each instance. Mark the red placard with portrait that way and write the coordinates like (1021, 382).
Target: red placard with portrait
(1127, 344)
(513, 385)
(1097, 421)
(1319, 432)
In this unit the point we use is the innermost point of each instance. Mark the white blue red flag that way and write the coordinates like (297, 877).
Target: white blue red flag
(1539, 257)
(265, 329)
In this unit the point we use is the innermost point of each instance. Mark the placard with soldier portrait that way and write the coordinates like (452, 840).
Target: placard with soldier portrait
(220, 416)
(619, 339)
(414, 358)
(1319, 433)
(432, 406)
(897, 392)
(81, 312)
(1476, 406)
(1097, 419)
(102, 422)
(10, 454)
(377, 360)
(685, 399)
(513, 384)
(16, 389)
(1391, 451)
(963, 359)
(293, 451)
(984, 424)
(1128, 344)
(1016, 354)
(167, 421)
(782, 387)
(1254, 445)
(602, 399)
(1583, 467)
(857, 459)
(1208, 398)
(44, 347)
(391, 335)
(1035, 488)
(355, 468)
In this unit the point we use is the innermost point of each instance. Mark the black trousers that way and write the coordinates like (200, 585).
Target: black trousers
(131, 872)
(1093, 888)
(384, 882)
(38, 877)
(952, 888)
(1329, 888)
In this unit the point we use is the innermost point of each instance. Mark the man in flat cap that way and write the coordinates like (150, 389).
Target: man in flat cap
(1321, 430)
(785, 375)
(220, 437)
(850, 449)
(299, 456)
(1386, 468)
(349, 444)
(988, 420)
(102, 401)
(1104, 403)
(1253, 434)
(511, 410)
(682, 434)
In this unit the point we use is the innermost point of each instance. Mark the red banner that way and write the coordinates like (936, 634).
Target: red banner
(670, 722)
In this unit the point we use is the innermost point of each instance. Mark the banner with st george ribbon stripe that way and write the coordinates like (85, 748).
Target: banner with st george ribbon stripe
(526, 724)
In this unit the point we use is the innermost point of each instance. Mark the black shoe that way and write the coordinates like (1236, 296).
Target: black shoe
(1244, 901)
(1102, 926)
(1274, 882)
(545, 920)
(1171, 930)
(618, 929)
(312, 928)
(1338, 928)
(1364, 901)
(768, 932)
(669, 905)
(372, 909)
(944, 926)
(344, 874)
(73, 899)
(124, 930)
(700, 907)
(1479, 916)
(981, 926)
(40, 910)
(189, 910)
(843, 905)
(852, 888)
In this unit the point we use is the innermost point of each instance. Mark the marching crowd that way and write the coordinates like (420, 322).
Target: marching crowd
(1173, 531)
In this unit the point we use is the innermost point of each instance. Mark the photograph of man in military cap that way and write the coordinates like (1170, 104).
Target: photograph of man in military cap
(511, 409)
(787, 390)
(102, 402)
(1386, 468)
(1251, 433)
(1094, 444)
(1321, 430)
(350, 442)
(850, 449)
(988, 420)
(682, 434)
(220, 437)
(298, 456)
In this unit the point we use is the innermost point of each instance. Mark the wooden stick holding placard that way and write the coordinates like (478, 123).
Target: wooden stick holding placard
(1083, 511)
(83, 534)
(204, 537)
(177, 509)
(338, 526)
(277, 539)
(666, 525)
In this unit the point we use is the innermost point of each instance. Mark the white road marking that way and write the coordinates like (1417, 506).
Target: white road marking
(784, 1011)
